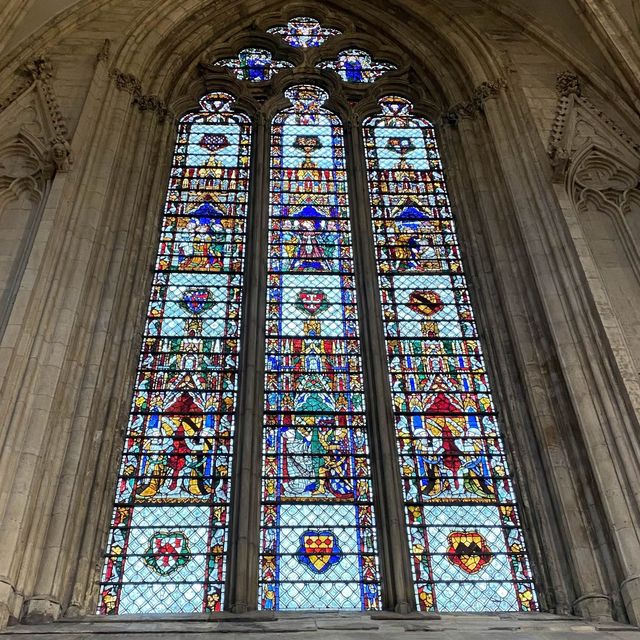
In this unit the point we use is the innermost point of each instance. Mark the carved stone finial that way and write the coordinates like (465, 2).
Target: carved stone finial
(104, 54)
(568, 83)
(39, 69)
(61, 154)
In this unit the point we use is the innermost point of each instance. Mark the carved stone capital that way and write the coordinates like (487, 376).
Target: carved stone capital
(568, 83)
(145, 102)
(151, 103)
(469, 109)
(126, 82)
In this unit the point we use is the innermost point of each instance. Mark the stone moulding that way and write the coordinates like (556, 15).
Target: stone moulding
(131, 84)
(469, 109)
(38, 73)
(570, 96)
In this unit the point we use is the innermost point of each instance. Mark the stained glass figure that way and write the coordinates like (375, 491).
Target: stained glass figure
(304, 32)
(467, 548)
(355, 65)
(318, 542)
(254, 65)
(168, 536)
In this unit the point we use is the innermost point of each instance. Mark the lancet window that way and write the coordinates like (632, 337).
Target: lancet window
(318, 541)
(311, 508)
(168, 537)
(465, 540)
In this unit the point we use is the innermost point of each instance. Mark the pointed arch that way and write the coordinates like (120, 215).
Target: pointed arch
(168, 537)
(467, 549)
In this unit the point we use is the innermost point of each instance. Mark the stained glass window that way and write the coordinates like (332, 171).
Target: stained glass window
(304, 32)
(254, 65)
(318, 544)
(466, 544)
(355, 65)
(168, 535)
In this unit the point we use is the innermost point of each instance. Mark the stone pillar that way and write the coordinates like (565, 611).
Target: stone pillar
(126, 210)
(616, 40)
(11, 14)
(51, 437)
(397, 581)
(600, 434)
(244, 533)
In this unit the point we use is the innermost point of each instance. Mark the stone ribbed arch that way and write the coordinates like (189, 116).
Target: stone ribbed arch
(90, 302)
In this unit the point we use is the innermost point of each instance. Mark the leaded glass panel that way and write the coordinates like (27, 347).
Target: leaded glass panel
(318, 542)
(168, 535)
(355, 65)
(467, 548)
(304, 32)
(254, 65)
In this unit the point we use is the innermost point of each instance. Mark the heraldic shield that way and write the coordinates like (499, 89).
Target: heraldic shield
(319, 550)
(196, 301)
(468, 550)
(167, 552)
(312, 301)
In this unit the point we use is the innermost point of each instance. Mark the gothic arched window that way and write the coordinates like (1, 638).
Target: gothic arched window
(304, 387)
(168, 535)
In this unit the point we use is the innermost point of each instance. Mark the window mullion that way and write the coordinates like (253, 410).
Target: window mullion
(243, 555)
(397, 582)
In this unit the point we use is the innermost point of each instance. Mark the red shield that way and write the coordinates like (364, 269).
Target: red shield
(312, 300)
(167, 552)
(196, 300)
(468, 550)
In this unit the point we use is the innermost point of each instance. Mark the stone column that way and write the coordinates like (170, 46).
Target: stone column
(397, 582)
(601, 419)
(127, 225)
(617, 41)
(11, 14)
(244, 533)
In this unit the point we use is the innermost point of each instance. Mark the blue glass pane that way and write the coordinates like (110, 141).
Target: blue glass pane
(355, 65)
(304, 32)
(466, 544)
(168, 536)
(318, 543)
(254, 65)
